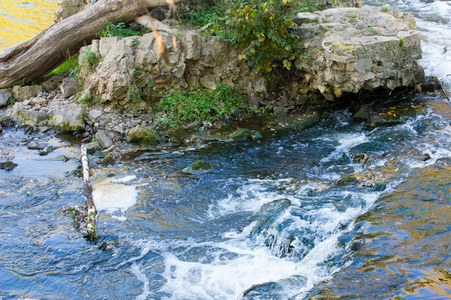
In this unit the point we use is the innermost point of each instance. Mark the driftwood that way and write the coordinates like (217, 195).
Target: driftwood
(36, 57)
(91, 208)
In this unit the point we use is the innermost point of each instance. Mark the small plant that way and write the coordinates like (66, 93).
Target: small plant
(351, 16)
(117, 30)
(199, 105)
(401, 42)
(200, 18)
(89, 59)
(134, 42)
(384, 9)
(140, 91)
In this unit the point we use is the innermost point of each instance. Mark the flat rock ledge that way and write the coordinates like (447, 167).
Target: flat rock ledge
(353, 49)
(347, 50)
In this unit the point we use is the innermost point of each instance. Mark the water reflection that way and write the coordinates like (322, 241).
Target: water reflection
(405, 254)
(20, 20)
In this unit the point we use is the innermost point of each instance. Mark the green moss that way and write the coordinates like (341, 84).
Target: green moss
(197, 167)
(108, 160)
(240, 135)
(347, 180)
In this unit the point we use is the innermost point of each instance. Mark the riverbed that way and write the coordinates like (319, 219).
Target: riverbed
(268, 222)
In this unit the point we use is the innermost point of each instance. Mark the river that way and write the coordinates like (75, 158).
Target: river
(267, 223)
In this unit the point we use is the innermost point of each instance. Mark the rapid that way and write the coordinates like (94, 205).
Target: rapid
(269, 222)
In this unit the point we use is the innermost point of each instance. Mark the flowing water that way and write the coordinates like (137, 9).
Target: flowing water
(21, 20)
(268, 222)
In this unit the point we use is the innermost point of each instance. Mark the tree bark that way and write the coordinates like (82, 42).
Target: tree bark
(90, 206)
(36, 57)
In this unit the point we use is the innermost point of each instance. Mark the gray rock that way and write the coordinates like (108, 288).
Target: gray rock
(37, 145)
(159, 13)
(70, 117)
(192, 46)
(104, 140)
(22, 93)
(69, 87)
(30, 117)
(51, 84)
(93, 147)
(4, 97)
(303, 18)
(67, 8)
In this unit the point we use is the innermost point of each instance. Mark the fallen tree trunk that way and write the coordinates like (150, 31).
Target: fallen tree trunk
(91, 208)
(36, 57)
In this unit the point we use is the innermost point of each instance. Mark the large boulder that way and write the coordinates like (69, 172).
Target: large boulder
(350, 49)
(22, 93)
(142, 135)
(69, 117)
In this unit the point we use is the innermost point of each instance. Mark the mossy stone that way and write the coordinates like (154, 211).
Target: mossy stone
(108, 160)
(347, 180)
(307, 122)
(200, 166)
(143, 135)
(240, 135)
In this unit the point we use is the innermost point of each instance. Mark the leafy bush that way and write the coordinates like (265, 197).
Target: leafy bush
(262, 30)
(196, 105)
(140, 91)
(117, 30)
(203, 16)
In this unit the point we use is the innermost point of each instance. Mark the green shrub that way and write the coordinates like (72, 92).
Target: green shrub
(117, 30)
(140, 91)
(262, 30)
(197, 105)
(401, 42)
(384, 9)
(199, 18)
(89, 59)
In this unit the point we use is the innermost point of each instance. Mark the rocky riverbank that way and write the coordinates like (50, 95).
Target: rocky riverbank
(350, 53)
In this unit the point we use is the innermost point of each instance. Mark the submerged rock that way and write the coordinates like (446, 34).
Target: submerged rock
(307, 122)
(200, 166)
(241, 135)
(108, 160)
(430, 84)
(7, 165)
(347, 180)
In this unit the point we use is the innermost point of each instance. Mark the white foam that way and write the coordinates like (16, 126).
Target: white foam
(136, 270)
(111, 196)
(346, 142)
